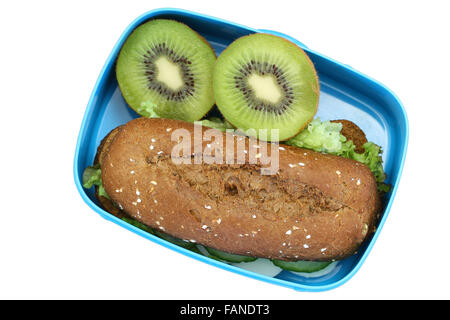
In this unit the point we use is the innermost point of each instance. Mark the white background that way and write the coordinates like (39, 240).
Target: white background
(53, 246)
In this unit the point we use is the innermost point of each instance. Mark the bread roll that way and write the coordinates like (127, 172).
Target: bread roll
(314, 207)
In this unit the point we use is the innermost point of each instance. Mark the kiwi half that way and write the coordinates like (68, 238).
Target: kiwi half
(263, 81)
(167, 67)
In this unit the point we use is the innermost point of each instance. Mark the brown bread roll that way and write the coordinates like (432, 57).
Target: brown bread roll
(316, 207)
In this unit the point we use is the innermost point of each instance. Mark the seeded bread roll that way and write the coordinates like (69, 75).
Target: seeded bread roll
(315, 207)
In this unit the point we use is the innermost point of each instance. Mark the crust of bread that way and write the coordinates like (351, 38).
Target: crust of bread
(102, 150)
(316, 207)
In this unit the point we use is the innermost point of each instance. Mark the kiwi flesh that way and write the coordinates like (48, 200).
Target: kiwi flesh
(263, 81)
(166, 66)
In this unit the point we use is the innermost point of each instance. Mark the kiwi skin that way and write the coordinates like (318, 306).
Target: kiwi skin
(315, 86)
(130, 70)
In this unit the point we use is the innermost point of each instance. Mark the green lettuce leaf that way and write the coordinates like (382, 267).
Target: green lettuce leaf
(216, 123)
(92, 176)
(372, 158)
(137, 224)
(322, 137)
(325, 136)
(147, 109)
(383, 187)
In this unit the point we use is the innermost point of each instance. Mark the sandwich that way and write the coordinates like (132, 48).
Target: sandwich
(316, 207)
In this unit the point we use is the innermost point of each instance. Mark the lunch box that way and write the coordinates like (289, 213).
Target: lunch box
(344, 94)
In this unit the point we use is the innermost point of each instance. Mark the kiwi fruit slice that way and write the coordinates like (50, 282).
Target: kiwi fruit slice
(263, 81)
(165, 67)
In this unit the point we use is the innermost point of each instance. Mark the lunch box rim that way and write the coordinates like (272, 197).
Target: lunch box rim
(91, 106)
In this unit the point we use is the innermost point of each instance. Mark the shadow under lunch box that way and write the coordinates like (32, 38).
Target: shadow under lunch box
(344, 94)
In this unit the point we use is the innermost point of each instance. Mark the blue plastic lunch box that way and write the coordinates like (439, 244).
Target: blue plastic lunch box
(344, 94)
